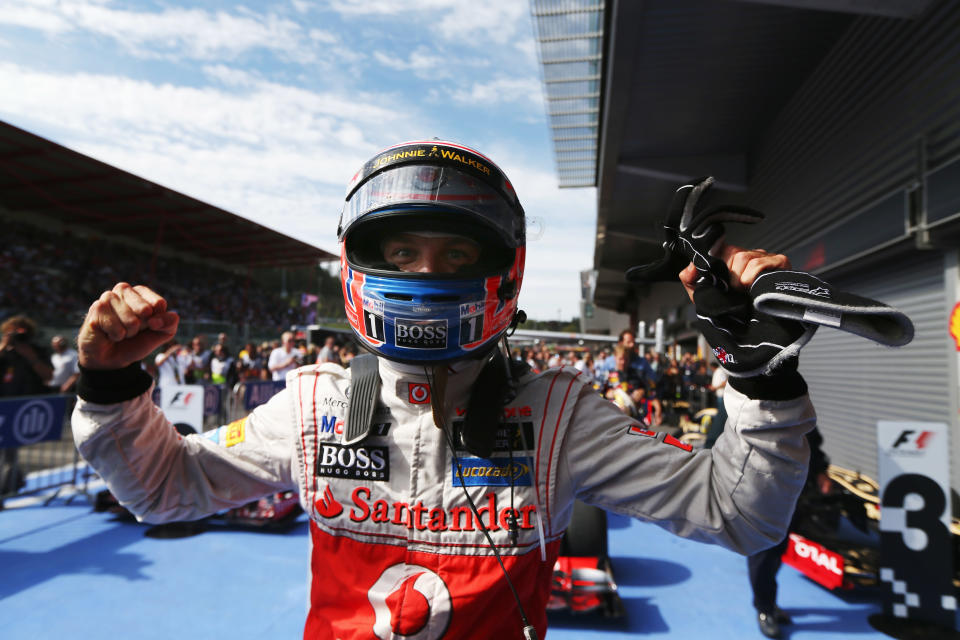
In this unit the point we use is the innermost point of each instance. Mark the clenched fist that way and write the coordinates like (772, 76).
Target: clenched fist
(124, 326)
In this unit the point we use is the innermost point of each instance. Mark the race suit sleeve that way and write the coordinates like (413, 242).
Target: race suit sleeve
(740, 494)
(161, 477)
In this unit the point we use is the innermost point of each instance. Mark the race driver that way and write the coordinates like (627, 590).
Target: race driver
(439, 514)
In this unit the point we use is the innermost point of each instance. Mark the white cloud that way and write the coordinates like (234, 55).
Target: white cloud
(476, 24)
(302, 6)
(391, 7)
(323, 37)
(35, 15)
(423, 62)
(502, 90)
(272, 153)
(173, 32)
(494, 21)
(230, 76)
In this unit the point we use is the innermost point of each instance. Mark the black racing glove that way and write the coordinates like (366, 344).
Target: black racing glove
(747, 343)
(691, 234)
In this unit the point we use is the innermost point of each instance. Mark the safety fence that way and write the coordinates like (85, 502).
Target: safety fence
(37, 454)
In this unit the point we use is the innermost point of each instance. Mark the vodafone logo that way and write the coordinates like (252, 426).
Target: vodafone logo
(420, 594)
(418, 393)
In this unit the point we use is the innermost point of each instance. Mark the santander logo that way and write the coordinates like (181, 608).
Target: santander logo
(327, 506)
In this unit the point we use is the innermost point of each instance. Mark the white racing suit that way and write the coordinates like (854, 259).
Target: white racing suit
(395, 550)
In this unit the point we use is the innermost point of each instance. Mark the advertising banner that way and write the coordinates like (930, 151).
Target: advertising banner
(30, 420)
(257, 392)
(183, 405)
(814, 561)
(916, 555)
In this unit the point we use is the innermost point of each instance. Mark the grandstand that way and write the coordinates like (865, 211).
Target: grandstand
(74, 226)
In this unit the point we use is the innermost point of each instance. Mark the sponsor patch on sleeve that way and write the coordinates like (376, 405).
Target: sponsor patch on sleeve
(215, 435)
(640, 430)
(236, 432)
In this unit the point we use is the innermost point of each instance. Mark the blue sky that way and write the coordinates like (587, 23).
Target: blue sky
(267, 109)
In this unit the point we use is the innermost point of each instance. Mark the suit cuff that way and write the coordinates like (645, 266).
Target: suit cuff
(111, 386)
(783, 385)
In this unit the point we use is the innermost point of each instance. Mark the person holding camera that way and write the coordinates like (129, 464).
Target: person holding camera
(25, 370)
(284, 358)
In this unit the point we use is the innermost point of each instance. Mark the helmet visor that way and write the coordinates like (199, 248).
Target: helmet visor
(441, 186)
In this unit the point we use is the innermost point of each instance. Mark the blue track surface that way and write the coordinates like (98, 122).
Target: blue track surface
(67, 572)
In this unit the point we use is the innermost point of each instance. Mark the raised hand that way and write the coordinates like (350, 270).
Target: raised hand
(123, 326)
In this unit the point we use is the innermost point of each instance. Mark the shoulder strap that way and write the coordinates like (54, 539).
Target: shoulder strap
(364, 391)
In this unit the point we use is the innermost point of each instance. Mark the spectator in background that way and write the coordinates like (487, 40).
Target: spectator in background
(222, 339)
(25, 370)
(762, 567)
(347, 353)
(65, 369)
(601, 367)
(622, 380)
(628, 340)
(266, 348)
(284, 358)
(170, 367)
(250, 362)
(223, 368)
(199, 370)
(554, 360)
(644, 409)
(328, 353)
(585, 365)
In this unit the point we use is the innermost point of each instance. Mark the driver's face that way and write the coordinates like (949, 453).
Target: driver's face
(430, 254)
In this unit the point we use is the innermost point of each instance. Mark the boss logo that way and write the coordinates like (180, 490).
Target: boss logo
(421, 334)
(354, 463)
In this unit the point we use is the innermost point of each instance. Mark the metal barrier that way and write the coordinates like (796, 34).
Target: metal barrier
(36, 440)
(36, 446)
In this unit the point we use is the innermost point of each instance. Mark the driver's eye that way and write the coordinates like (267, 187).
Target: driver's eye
(402, 253)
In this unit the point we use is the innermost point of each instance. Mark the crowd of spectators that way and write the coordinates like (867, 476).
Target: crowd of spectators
(53, 276)
(651, 387)
(194, 362)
